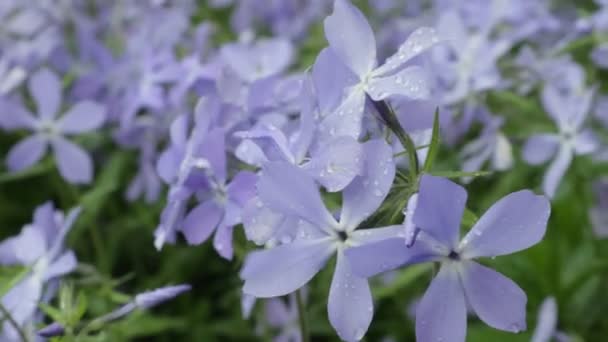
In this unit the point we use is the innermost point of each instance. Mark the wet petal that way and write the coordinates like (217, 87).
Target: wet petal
(222, 241)
(349, 306)
(385, 255)
(516, 222)
(367, 192)
(336, 164)
(441, 314)
(439, 209)
(284, 269)
(346, 119)
(418, 42)
(287, 189)
(411, 82)
(496, 299)
(351, 38)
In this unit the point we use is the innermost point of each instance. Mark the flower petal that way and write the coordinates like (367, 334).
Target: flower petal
(222, 241)
(418, 42)
(212, 149)
(45, 88)
(242, 187)
(200, 223)
(284, 269)
(287, 189)
(346, 119)
(441, 314)
(586, 142)
(411, 82)
(367, 192)
(349, 306)
(539, 148)
(83, 117)
(351, 38)
(26, 153)
(556, 171)
(385, 255)
(439, 209)
(74, 163)
(65, 264)
(514, 223)
(546, 321)
(336, 164)
(330, 78)
(496, 299)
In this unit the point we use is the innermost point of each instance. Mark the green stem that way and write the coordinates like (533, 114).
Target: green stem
(15, 325)
(390, 119)
(302, 317)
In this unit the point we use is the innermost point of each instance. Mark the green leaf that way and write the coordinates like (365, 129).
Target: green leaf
(435, 142)
(36, 170)
(11, 276)
(469, 218)
(54, 313)
(404, 279)
(459, 174)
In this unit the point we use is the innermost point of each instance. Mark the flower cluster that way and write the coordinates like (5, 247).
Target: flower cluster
(333, 148)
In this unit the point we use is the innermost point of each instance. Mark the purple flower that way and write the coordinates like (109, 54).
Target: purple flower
(74, 164)
(40, 247)
(569, 112)
(352, 41)
(196, 165)
(514, 223)
(281, 270)
(491, 145)
(284, 316)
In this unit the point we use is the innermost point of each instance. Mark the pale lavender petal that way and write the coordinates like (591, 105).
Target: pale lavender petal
(586, 142)
(200, 223)
(74, 163)
(557, 170)
(168, 163)
(146, 300)
(337, 163)
(259, 222)
(409, 227)
(22, 300)
(277, 313)
(29, 245)
(26, 153)
(346, 119)
(284, 269)
(363, 236)
(330, 78)
(385, 255)
(83, 117)
(540, 148)
(496, 299)
(287, 189)
(439, 211)
(349, 306)
(441, 314)
(367, 192)
(516, 222)
(546, 321)
(213, 150)
(242, 187)
(411, 82)
(351, 38)
(418, 42)
(222, 241)
(65, 264)
(14, 116)
(45, 88)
